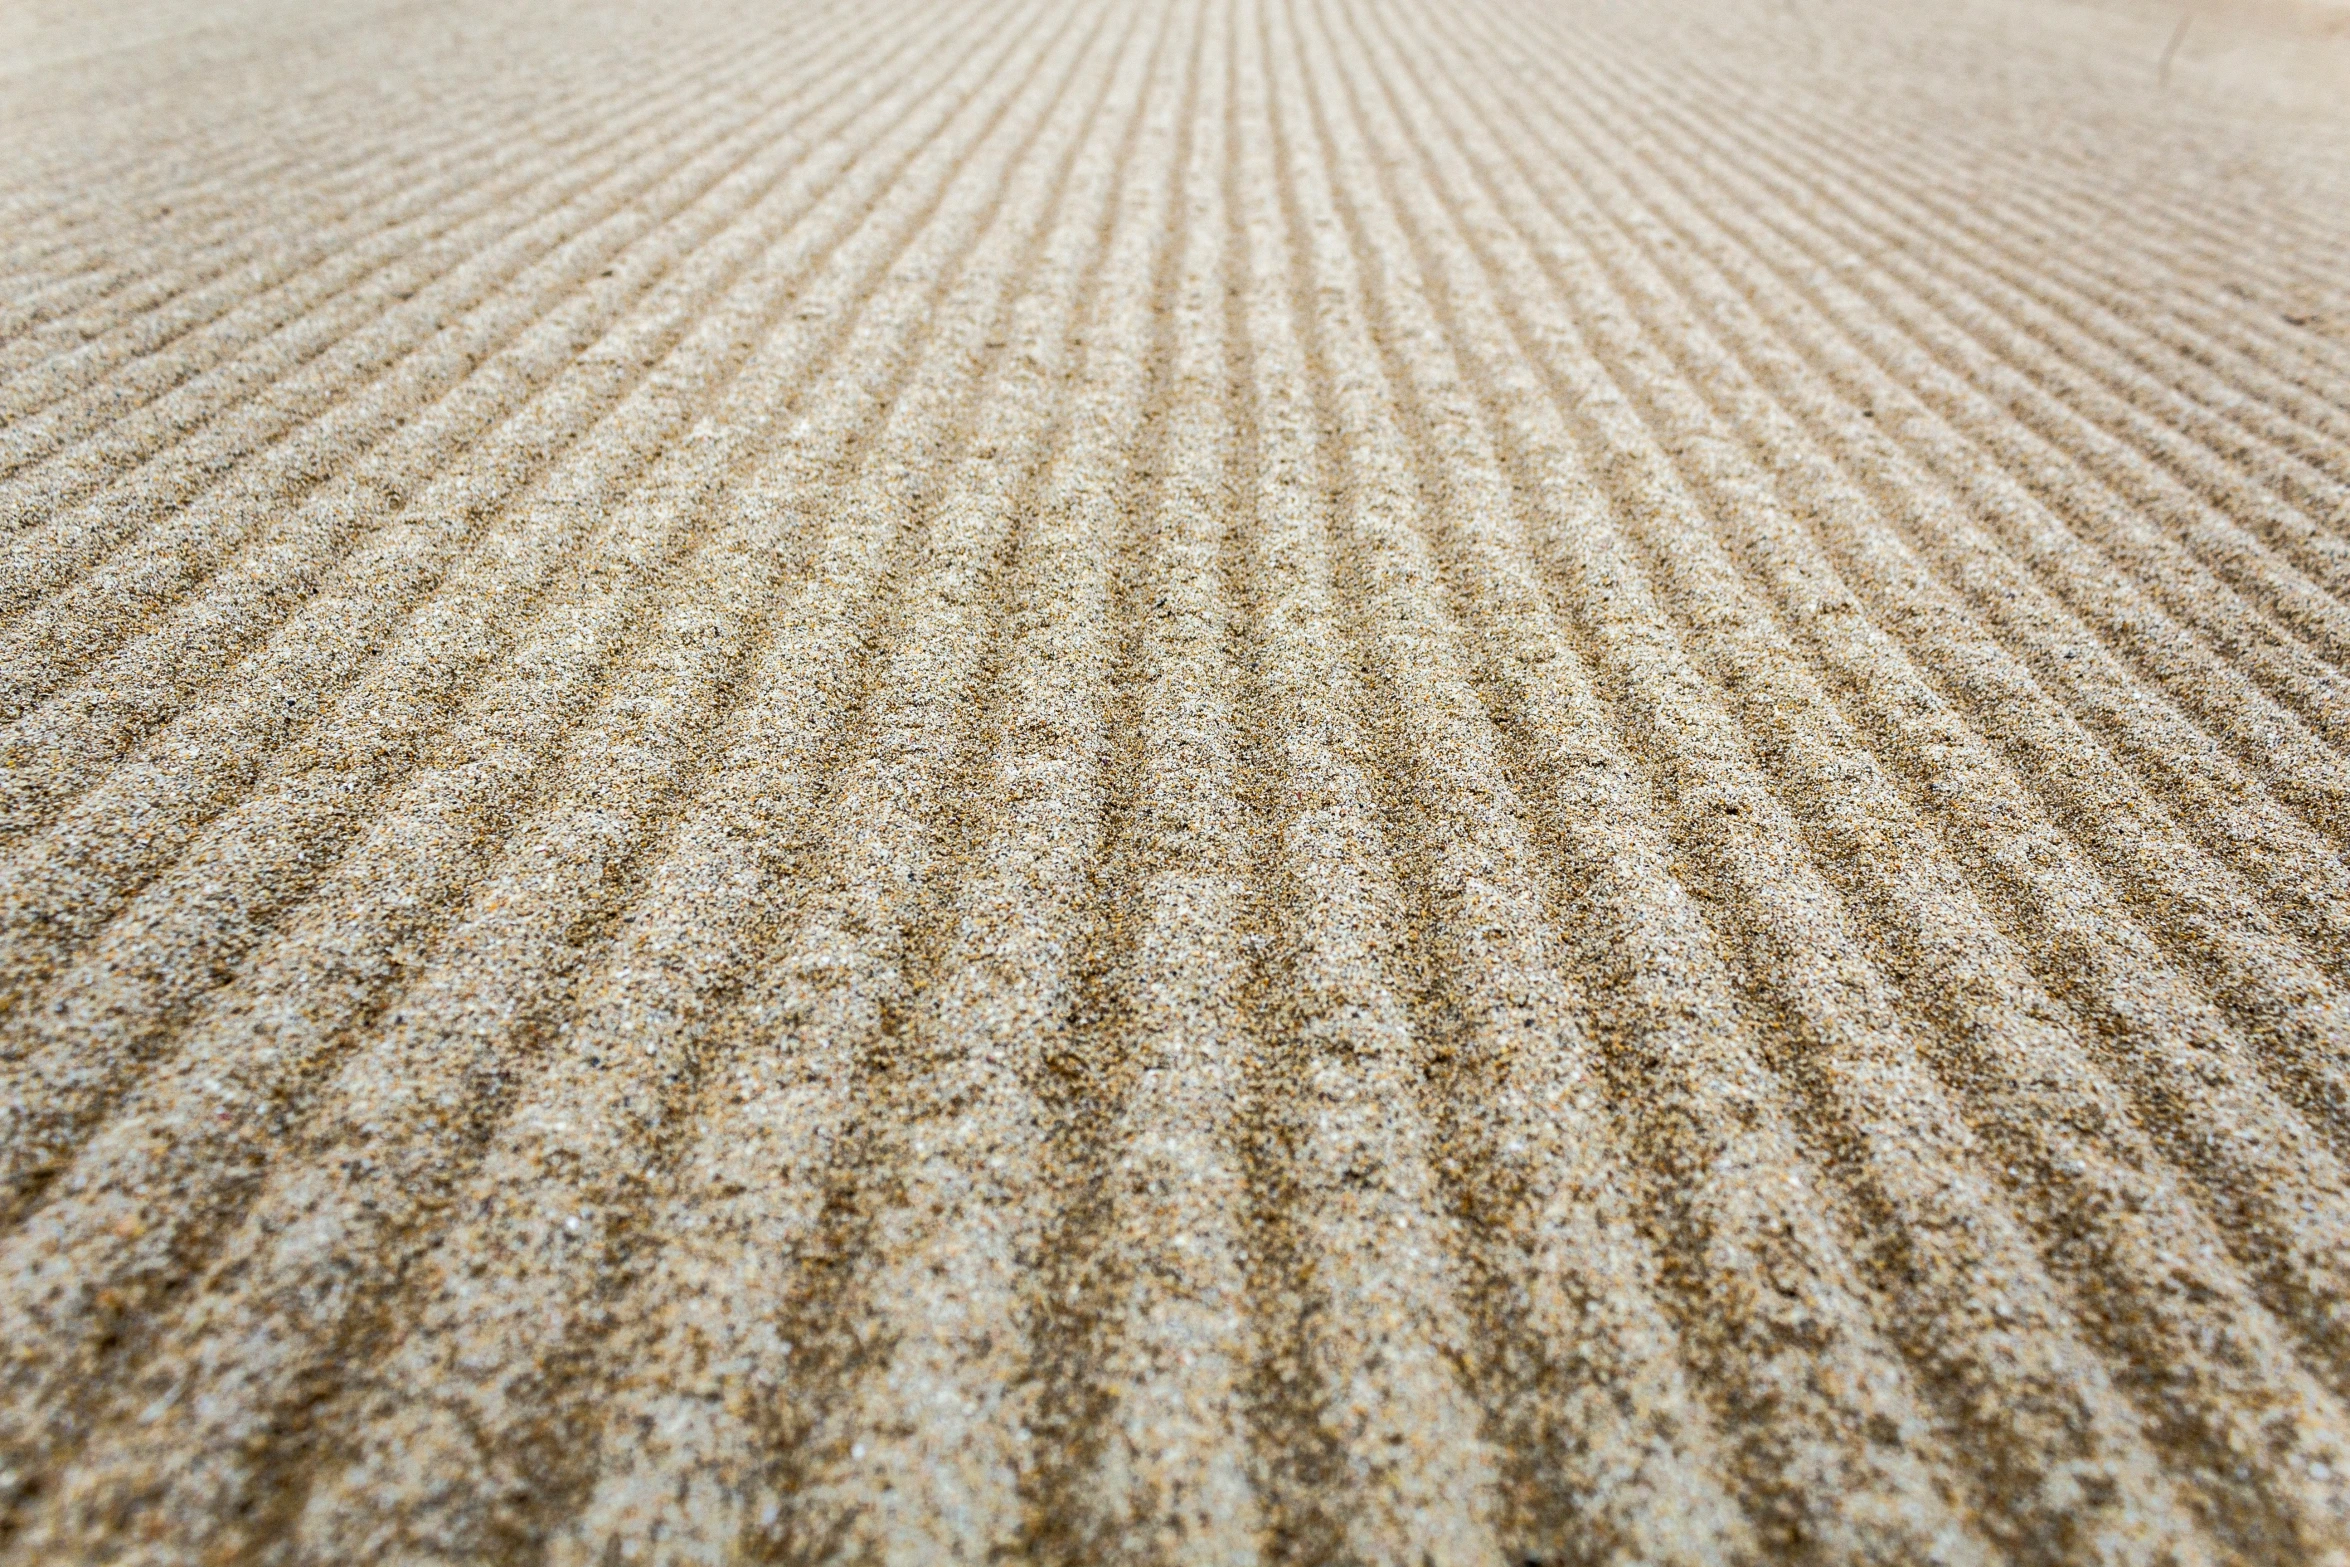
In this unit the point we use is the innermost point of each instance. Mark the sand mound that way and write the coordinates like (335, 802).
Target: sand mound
(1207, 781)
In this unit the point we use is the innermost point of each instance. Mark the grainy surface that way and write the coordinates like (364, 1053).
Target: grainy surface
(1198, 781)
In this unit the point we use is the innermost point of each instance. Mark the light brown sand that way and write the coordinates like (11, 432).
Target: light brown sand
(1203, 781)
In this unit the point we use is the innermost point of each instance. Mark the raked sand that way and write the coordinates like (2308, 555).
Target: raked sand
(1433, 782)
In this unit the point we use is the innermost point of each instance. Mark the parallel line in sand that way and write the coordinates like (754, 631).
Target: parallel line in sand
(2261, 973)
(2130, 228)
(604, 131)
(2226, 457)
(47, 286)
(2261, 965)
(503, 1293)
(830, 989)
(436, 687)
(1412, 756)
(2177, 765)
(1142, 1347)
(390, 1069)
(737, 1464)
(2096, 1432)
(2174, 364)
(285, 866)
(1392, 1189)
(909, 1442)
(152, 263)
(2263, 960)
(138, 683)
(2296, 675)
(2145, 208)
(1605, 1449)
(2297, 1178)
(1233, 1302)
(2312, 426)
(383, 479)
(1232, 781)
(1913, 916)
(650, 140)
(2302, 608)
(326, 627)
(64, 355)
(292, 436)
(184, 241)
(2318, 356)
(336, 130)
(1467, 456)
(337, 136)
(380, 746)
(1794, 604)
(180, 260)
(160, 168)
(126, 368)
(2151, 866)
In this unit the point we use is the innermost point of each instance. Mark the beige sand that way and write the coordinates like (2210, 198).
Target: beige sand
(1200, 781)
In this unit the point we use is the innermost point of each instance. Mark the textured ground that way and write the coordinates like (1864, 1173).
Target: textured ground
(1198, 781)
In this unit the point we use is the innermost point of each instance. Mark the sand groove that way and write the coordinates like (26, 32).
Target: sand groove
(1208, 780)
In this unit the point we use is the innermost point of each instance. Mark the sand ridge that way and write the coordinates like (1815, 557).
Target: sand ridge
(1205, 780)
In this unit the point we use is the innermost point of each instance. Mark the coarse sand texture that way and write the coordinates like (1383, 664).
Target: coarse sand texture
(1424, 783)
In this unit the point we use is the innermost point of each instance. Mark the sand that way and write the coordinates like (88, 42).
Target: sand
(1204, 781)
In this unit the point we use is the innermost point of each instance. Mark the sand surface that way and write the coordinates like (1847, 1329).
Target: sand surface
(1197, 781)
